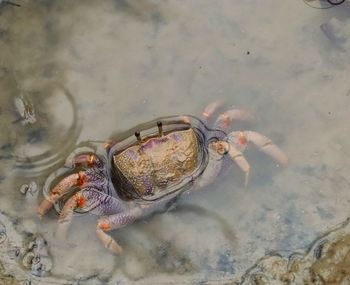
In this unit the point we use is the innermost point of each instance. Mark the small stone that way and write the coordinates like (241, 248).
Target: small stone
(24, 188)
(30, 188)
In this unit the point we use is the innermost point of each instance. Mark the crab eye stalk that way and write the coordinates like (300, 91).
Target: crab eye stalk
(138, 136)
(160, 128)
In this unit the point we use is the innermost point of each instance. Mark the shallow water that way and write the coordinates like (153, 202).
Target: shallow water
(91, 70)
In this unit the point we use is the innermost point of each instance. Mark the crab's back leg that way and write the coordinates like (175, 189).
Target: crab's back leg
(242, 138)
(112, 222)
(89, 177)
(85, 160)
(63, 187)
(95, 202)
(210, 109)
(225, 119)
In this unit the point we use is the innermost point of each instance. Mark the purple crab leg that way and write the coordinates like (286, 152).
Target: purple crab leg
(89, 200)
(112, 222)
(95, 202)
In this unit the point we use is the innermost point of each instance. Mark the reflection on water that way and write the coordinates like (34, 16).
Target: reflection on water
(79, 71)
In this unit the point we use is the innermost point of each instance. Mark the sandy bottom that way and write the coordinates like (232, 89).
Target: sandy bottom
(72, 72)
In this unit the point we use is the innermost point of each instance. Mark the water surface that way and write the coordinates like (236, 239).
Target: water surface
(92, 69)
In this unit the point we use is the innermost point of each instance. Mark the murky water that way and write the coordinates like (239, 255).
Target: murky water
(87, 70)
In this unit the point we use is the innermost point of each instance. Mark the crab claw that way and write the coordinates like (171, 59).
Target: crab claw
(223, 147)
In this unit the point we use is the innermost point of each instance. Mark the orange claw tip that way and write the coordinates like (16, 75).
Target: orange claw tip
(44, 207)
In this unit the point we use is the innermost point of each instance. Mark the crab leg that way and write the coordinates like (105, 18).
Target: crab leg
(223, 148)
(90, 200)
(240, 160)
(85, 160)
(63, 187)
(76, 201)
(210, 110)
(224, 121)
(241, 139)
(93, 201)
(112, 222)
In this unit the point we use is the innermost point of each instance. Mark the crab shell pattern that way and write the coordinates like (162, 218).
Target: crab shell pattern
(166, 161)
(149, 167)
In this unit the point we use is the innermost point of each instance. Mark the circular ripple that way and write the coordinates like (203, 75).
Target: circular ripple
(52, 137)
(323, 4)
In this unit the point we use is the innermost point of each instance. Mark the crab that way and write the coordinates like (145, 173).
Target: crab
(146, 170)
